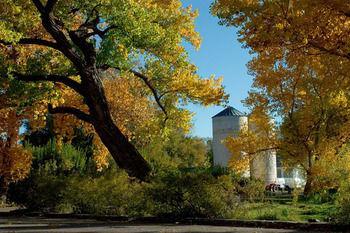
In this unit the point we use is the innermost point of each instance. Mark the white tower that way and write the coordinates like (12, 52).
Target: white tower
(271, 167)
(226, 123)
(264, 167)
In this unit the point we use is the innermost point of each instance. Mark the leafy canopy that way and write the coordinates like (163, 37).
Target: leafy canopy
(301, 77)
(137, 52)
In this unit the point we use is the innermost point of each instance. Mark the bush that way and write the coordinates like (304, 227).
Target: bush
(250, 189)
(40, 192)
(172, 194)
(52, 167)
(114, 194)
(179, 194)
(66, 159)
(323, 196)
(343, 204)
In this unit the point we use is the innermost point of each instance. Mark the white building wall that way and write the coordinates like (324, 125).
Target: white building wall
(271, 167)
(264, 167)
(257, 167)
(223, 127)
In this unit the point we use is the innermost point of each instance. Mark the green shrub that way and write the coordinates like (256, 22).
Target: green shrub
(65, 159)
(113, 194)
(40, 192)
(343, 204)
(323, 196)
(219, 171)
(51, 169)
(296, 195)
(249, 189)
(173, 194)
(179, 194)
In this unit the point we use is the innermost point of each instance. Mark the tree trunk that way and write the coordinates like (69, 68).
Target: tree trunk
(123, 152)
(309, 183)
(3, 190)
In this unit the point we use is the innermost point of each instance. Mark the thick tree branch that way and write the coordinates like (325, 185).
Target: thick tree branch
(54, 27)
(45, 9)
(93, 11)
(148, 83)
(50, 5)
(345, 13)
(92, 24)
(73, 111)
(100, 33)
(343, 9)
(33, 41)
(329, 51)
(156, 96)
(169, 92)
(86, 30)
(39, 6)
(79, 39)
(51, 78)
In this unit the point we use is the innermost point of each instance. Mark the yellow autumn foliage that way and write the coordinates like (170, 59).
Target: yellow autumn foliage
(301, 68)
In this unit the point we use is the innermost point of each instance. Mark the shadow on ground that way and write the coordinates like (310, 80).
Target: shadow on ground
(40, 225)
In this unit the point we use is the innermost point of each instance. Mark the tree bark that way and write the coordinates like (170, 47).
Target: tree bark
(3, 190)
(309, 183)
(124, 153)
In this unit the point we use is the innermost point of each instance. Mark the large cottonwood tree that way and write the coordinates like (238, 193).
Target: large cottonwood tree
(75, 42)
(301, 75)
(311, 100)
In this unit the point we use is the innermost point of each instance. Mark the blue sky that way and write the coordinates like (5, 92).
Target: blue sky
(222, 55)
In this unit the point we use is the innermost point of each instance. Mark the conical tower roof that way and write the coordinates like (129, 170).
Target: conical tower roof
(229, 111)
